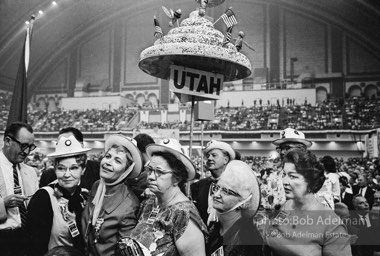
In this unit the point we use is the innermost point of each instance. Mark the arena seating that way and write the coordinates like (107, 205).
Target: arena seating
(351, 113)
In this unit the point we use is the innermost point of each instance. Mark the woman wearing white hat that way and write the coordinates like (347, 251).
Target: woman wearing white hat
(112, 207)
(55, 210)
(236, 199)
(169, 223)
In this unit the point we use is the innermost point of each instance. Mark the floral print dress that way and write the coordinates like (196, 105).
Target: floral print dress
(159, 228)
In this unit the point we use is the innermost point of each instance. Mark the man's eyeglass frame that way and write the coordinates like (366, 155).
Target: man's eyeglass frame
(23, 146)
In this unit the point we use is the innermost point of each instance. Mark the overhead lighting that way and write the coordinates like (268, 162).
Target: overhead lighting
(54, 3)
(40, 12)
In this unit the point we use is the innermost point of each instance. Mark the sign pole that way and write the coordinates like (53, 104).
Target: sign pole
(191, 139)
(202, 171)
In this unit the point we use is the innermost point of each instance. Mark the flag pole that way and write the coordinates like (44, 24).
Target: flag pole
(191, 139)
(217, 20)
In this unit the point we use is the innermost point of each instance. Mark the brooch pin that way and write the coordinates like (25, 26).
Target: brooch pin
(157, 235)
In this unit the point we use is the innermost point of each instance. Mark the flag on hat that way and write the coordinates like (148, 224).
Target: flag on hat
(157, 29)
(227, 36)
(229, 18)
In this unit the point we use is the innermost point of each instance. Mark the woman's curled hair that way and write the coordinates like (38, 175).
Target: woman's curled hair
(179, 169)
(80, 159)
(308, 166)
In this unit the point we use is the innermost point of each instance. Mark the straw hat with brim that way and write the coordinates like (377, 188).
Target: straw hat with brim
(131, 145)
(174, 147)
(292, 135)
(68, 146)
(214, 144)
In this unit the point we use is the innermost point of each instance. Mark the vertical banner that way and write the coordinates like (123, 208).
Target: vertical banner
(18, 108)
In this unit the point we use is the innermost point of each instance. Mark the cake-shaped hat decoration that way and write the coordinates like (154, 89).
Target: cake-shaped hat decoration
(196, 44)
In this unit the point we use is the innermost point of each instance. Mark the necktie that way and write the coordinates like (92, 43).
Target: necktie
(360, 191)
(17, 190)
(366, 221)
(362, 220)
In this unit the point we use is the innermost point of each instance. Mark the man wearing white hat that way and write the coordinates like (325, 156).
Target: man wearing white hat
(291, 138)
(218, 155)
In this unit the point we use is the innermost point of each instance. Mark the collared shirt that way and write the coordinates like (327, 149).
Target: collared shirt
(13, 216)
(362, 191)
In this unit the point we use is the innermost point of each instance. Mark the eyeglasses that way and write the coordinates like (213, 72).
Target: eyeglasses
(285, 148)
(158, 173)
(225, 191)
(63, 169)
(23, 146)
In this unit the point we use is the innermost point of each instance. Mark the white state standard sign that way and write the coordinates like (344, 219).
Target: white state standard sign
(188, 81)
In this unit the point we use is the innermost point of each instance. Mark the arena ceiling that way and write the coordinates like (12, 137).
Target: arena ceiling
(63, 26)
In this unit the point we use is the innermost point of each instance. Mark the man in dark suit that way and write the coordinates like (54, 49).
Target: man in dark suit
(218, 154)
(365, 227)
(364, 190)
(91, 172)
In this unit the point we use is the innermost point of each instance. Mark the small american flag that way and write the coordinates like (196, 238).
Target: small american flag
(157, 28)
(229, 18)
(227, 36)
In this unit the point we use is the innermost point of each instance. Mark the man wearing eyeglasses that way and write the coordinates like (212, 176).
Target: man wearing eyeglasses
(18, 182)
(218, 154)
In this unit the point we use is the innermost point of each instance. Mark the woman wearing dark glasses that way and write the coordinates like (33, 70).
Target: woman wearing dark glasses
(236, 198)
(169, 223)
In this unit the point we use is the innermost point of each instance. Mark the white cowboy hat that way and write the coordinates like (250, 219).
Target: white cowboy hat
(292, 135)
(174, 147)
(68, 146)
(131, 145)
(215, 144)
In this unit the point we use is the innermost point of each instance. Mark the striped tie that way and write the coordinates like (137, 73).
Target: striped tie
(18, 191)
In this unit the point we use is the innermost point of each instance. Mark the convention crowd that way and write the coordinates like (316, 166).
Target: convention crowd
(141, 197)
(355, 113)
